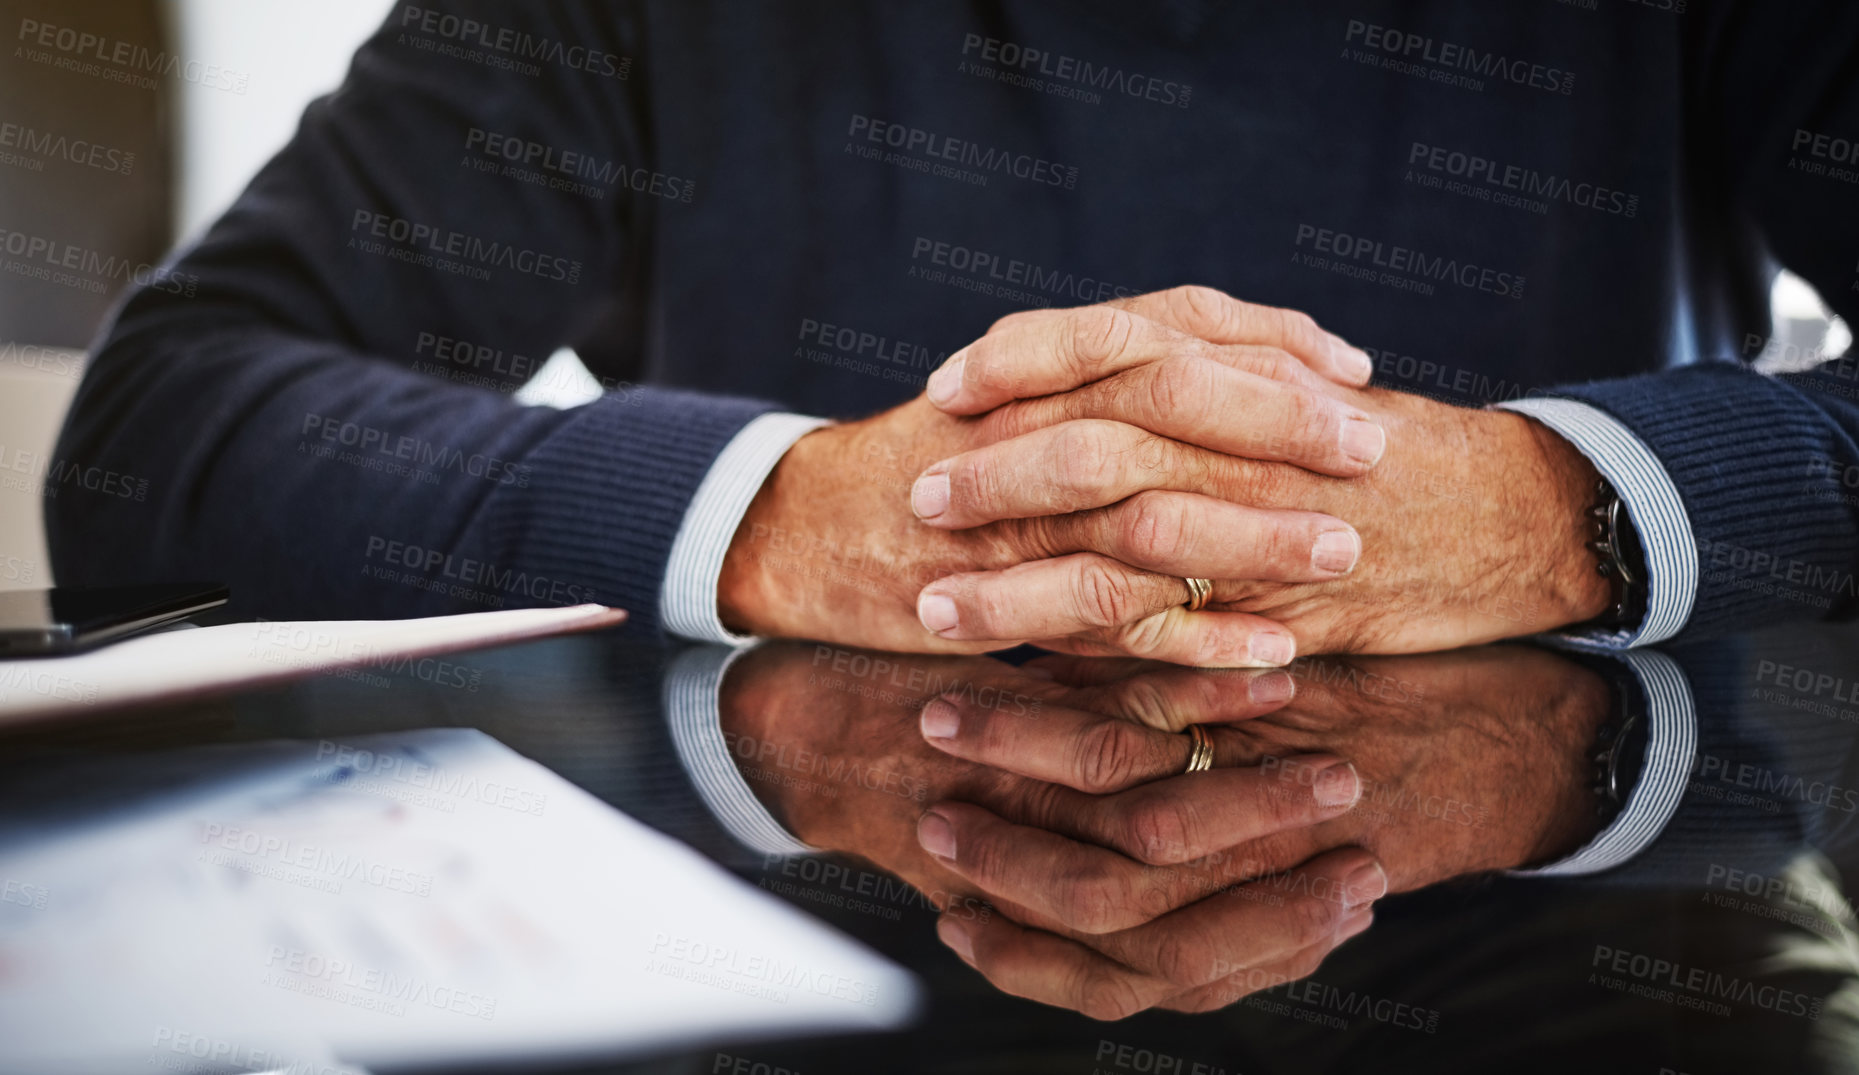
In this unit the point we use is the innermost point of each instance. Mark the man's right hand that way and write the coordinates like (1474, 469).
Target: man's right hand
(833, 547)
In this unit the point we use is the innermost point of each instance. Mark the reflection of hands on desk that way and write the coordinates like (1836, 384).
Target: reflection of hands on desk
(1464, 762)
(829, 740)
(1468, 761)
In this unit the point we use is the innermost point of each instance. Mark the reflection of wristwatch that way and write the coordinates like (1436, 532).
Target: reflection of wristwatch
(1622, 561)
(1618, 755)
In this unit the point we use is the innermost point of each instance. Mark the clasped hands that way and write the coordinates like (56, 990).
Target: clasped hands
(1063, 475)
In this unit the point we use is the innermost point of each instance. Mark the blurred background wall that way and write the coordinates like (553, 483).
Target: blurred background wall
(124, 169)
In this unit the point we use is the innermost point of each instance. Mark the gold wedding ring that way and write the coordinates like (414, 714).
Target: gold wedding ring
(1200, 750)
(1199, 591)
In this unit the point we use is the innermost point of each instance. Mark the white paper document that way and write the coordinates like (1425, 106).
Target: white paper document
(394, 900)
(192, 661)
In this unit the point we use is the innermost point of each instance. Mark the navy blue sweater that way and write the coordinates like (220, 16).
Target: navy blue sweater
(730, 208)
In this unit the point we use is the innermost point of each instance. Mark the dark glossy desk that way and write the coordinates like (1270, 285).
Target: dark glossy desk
(1476, 973)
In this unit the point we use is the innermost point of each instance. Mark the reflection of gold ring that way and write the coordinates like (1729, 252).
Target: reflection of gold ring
(1200, 750)
(1199, 591)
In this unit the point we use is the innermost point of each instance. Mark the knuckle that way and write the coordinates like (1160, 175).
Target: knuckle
(1041, 537)
(1281, 545)
(1084, 451)
(1156, 527)
(1123, 397)
(978, 478)
(1205, 310)
(1182, 958)
(993, 608)
(1142, 699)
(1155, 459)
(1106, 756)
(993, 732)
(1097, 335)
(1019, 417)
(1012, 419)
(1173, 383)
(988, 368)
(1104, 597)
(1040, 804)
(1309, 424)
(1285, 801)
(1277, 365)
(1312, 919)
(1107, 995)
(1161, 832)
(1096, 900)
(984, 858)
(1298, 331)
(1148, 636)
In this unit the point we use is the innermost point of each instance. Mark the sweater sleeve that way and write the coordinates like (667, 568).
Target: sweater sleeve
(312, 403)
(1767, 467)
(1760, 464)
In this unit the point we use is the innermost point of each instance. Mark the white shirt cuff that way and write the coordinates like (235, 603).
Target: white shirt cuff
(1652, 502)
(687, 600)
(693, 689)
(1671, 747)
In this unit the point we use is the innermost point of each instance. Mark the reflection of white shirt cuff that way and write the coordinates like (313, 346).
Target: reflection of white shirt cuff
(693, 687)
(687, 600)
(1671, 746)
(1652, 502)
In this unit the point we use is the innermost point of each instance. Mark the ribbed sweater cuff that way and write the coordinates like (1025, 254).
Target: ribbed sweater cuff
(609, 489)
(1758, 467)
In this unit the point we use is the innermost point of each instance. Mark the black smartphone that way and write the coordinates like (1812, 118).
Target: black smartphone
(66, 619)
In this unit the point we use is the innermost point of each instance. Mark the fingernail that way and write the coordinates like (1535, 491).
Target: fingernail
(1368, 883)
(1271, 649)
(937, 836)
(940, 720)
(1271, 688)
(929, 497)
(1353, 361)
(1335, 551)
(1354, 924)
(937, 612)
(946, 382)
(1337, 786)
(955, 935)
(1363, 441)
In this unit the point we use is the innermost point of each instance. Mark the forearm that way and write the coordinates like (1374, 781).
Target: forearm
(1558, 483)
(271, 460)
(320, 482)
(322, 413)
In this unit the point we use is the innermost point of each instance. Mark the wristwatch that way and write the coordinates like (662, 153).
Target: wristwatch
(1621, 558)
(1617, 756)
